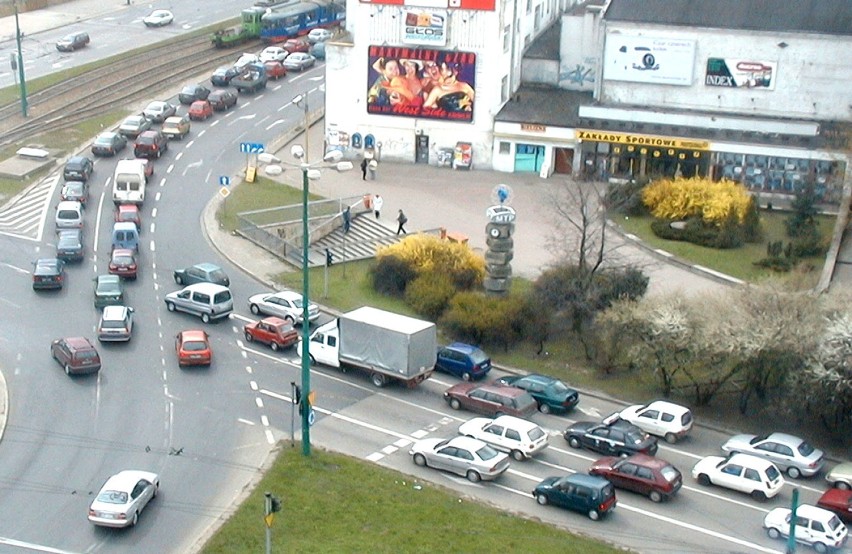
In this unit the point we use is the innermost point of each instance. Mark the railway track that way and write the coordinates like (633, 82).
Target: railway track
(135, 76)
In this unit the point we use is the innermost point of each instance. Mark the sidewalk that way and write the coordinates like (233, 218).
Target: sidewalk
(37, 21)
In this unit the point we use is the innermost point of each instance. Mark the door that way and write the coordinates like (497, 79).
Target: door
(564, 161)
(323, 348)
(421, 149)
(529, 158)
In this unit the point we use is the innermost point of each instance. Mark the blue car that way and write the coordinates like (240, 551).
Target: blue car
(463, 360)
(551, 394)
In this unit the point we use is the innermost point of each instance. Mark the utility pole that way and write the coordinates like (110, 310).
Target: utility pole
(271, 505)
(791, 540)
(23, 82)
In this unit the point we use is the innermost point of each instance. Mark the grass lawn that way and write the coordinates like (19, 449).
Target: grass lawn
(737, 262)
(385, 511)
(263, 193)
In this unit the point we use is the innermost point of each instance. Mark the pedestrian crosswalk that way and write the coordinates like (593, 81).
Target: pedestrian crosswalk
(25, 215)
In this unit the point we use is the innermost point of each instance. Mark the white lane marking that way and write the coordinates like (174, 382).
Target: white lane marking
(172, 166)
(33, 546)
(247, 422)
(152, 227)
(154, 213)
(18, 269)
(153, 246)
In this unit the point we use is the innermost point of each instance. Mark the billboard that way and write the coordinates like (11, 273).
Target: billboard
(421, 27)
(421, 82)
(639, 59)
(487, 5)
(735, 73)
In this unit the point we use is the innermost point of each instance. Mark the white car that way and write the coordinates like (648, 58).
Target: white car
(461, 455)
(661, 418)
(273, 54)
(299, 61)
(246, 59)
(158, 18)
(319, 35)
(285, 304)
(519, 437)
(123, 497)
(116, 324)
(814, 526)
(740, 472)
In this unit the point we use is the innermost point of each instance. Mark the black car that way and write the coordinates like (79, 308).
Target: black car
(222, 99)
(48, 273)
(78, 168)
(151, 144)
(69, 245)
(72, 42)
(202, 273)
(551, 394)
(619, 438)
(593, 496)
(108, 144)
(191, 93)
(223, 75)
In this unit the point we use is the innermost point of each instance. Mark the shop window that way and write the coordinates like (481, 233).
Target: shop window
(505, 147)
(507, 34)
(529, 6)
(356, 140)
(369, 141)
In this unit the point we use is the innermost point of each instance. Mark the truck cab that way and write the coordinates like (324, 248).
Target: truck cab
(323, 346)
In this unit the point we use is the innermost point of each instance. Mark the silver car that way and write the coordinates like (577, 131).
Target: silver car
(840, 476)
(285, 304)
(791, 454)
(465, 456)
(299, 61)
(116, 324)
(158, 111)
(123, 497)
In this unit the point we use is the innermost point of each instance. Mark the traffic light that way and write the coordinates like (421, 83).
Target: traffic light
(275, 504)
(297, 394)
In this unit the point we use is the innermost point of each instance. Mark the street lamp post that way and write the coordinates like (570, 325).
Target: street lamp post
(23, 82)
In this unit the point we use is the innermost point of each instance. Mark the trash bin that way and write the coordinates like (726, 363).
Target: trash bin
(372, 167)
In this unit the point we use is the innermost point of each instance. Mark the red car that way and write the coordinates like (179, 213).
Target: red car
(129, 212)
(193, 348)
(274, 331)
(149, 167)
(200, 109)
(123, 263)
(655, 478)
(838, 501)
(491, 400)
(275, 69)
(296, 45)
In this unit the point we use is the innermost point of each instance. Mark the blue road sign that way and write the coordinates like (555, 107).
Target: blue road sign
(251, 147)
(225, 181)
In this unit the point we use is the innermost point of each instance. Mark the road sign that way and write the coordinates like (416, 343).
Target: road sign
(312, 417)
(225, 181)
(224, 192)
(251, 147)
(269, 518)
(251, 172)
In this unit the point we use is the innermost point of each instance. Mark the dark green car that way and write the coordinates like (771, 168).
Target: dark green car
(552, 395)
(108, 291)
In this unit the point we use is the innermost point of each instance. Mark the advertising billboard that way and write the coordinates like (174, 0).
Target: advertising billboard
(638, 59)
(735, 73)
(421, 82)
(427, 28)
(487, 5)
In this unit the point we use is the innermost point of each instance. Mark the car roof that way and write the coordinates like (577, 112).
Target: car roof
(648, 461)
(78, 343)
(123, 226)
(123, 251)
(48, 262)
(666, 406)
(193, 334)
(587, 480)
(467, 442)
(501, 390)
(68, 233)
(115, 312)
(749, 460)
(76, 160)
(207, 266)
(276, 321)
(813, 512)
(515, 422)
(127, 479)
(128, 208)
(109, 279)
(69, 205)
(785, 438)
(209, 288)
(462, 347)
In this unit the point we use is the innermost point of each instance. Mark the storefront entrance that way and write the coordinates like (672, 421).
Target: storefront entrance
(564, 161)
(529, 158)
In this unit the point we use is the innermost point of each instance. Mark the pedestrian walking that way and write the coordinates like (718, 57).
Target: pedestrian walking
(347, 219)
(378, 202)
(364, 169)
(402, 221)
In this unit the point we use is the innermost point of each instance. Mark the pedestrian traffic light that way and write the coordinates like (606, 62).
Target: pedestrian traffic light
(275, 504)
(329, 258)
(297, 394)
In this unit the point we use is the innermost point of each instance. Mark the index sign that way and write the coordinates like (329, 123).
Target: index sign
(251, 147)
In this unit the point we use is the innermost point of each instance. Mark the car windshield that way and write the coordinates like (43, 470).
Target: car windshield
(113, 497)
(772, 473)
(670, 474)
(535, 433)
(194, 346)
(834, 523)
(805, 449)
(757, 439)
(486, 453)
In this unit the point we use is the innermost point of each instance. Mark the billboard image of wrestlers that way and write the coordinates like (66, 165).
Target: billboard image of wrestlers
(425, 83)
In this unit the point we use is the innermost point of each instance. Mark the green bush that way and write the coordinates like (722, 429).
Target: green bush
(430, 294)
(391, 275)
(752, 231)
(487, 320)
(727, 235)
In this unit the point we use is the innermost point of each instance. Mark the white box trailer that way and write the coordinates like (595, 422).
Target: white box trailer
(389, 346)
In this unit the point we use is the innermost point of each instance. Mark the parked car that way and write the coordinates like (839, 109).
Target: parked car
(660, 418)
(200, 110)
(193, 348)
(123, 497)
(201, 273)
(125, 236)
(76, 355)
(69, 245)
(463, 360)
(176, 126)
(274, 331)
(191, 93)
(69, 215)
(740, 472)
(816, 527)
(158, 18)
(838, 501)
(109, 143)
(246, 59)
(655, 478)
(108, 291)
(75, 191)
(490, 400)
(157, 111)
(78, 168)
(292, 45)
(116, 324)
(552, 395)
(791, 454)
(275, 70)
(273, 54)
(206, 300)
(593, 496)
(150, 144)
(222, 99)
(317, 50)
(319, 35)
(461, 455)
(133, 125)
(522, 439)
(299, 61)
(123, 263)
(48, 273)
(73, 41)
(223, 75)
(128, 213)
(616, 439)
(285, 304)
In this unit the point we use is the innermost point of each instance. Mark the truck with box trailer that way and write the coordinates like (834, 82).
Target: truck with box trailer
(386, 345)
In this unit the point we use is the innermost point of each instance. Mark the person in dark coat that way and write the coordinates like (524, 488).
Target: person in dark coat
(402, 221)
(364, 169)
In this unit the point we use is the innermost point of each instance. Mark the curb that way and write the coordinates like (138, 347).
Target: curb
(4, 404)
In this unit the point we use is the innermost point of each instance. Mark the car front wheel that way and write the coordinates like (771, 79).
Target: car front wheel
(655, 496)
(67, 369)
(274, 346)
(594, 515)
(671, 438)
(178, 279)
(249, 338)
(703, 479)
(455, 404)
(170, 306)
(760, 496)
(205, 318)
(544, 408)
(420, 460)
(574, 442)
(541, 499)
(466, 376)
(518, 455)
(773, 533)
(821, 548)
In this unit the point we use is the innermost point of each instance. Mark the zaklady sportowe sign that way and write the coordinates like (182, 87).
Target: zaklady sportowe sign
(421, 82)
(642, 140)
(439, 4)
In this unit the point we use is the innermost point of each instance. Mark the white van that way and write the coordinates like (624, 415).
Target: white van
(128, 185)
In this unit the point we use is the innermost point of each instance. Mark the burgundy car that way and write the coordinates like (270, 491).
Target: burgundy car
(123, 263)
(274, 331)
(838, 501)
(200, 110)
(150, 144)
(296, 45)
(491, 400)
(655, 478)
(275, 69)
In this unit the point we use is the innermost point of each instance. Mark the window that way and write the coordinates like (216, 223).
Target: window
(627, 469)
(752, 475)
(201, 298)
(505, 147)
(645, 473)
(495, 430)
(668, 418)
(529, 6)
(332, 341)
(464, 454)
(732, 469)
(784, 450)
(817, 526)
(507, 33)
(512, 434)
(650, 414)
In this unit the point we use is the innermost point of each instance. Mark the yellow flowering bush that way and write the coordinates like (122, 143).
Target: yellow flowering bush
(429, 254)
(698, 197)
